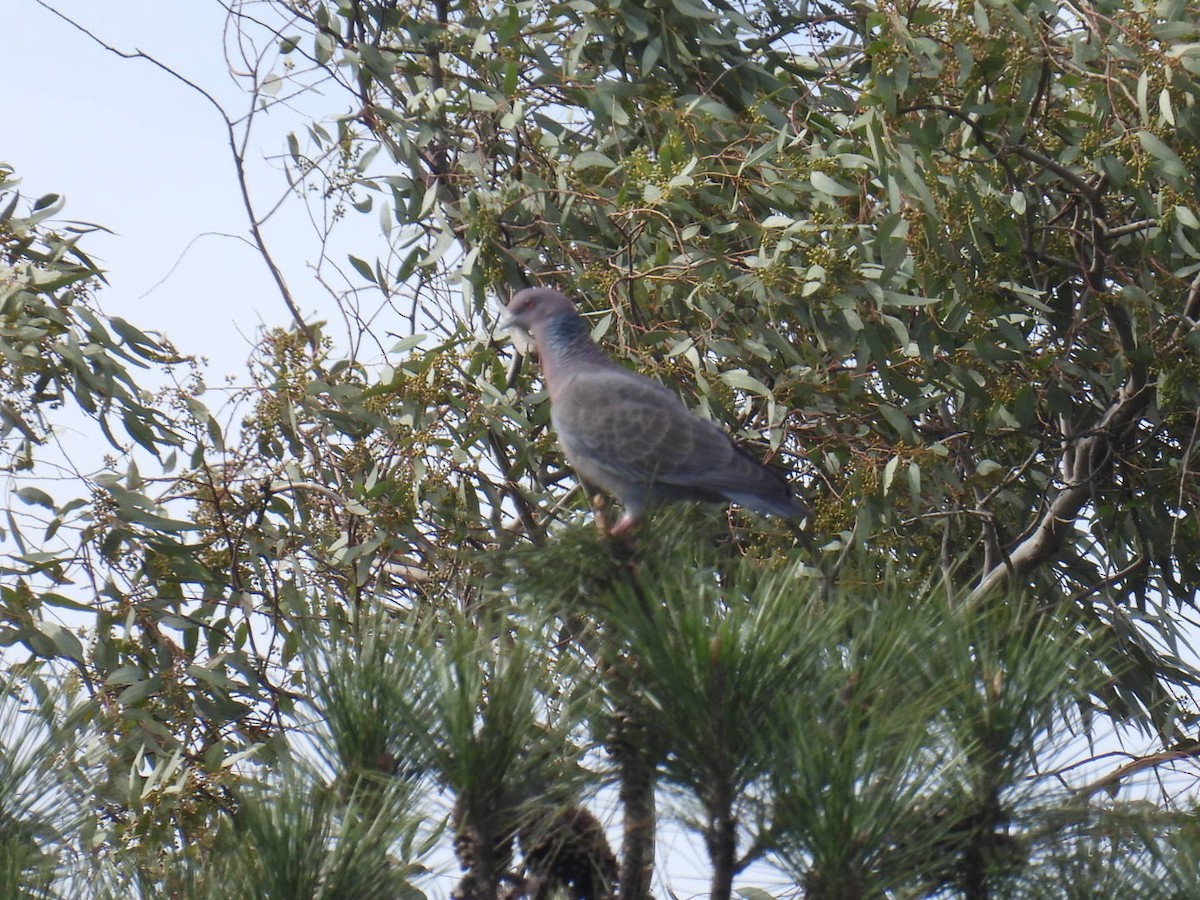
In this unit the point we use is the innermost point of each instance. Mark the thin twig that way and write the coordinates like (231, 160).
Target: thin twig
(238, 154)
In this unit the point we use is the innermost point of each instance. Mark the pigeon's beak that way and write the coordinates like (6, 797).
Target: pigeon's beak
(510, 320)
(518, 330)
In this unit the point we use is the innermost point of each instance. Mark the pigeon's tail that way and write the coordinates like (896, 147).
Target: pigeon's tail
(786, 505)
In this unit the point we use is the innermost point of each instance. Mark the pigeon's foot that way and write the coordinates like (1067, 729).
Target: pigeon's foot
(624, 525)
(621, 528)
(598, 514)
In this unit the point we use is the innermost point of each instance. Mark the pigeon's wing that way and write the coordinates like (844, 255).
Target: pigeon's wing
(621, 424)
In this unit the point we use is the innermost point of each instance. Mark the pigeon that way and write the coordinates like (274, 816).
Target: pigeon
(627, 434)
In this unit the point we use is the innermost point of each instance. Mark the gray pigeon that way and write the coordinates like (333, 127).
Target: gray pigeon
(629, 435)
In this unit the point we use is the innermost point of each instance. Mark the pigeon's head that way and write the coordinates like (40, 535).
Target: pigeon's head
(533, 307)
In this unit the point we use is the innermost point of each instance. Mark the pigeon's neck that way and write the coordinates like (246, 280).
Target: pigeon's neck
(565, 341)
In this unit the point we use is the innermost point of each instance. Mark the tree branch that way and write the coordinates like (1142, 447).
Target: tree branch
(1091, 454)
(238, 162)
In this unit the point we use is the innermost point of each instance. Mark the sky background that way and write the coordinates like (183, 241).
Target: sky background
(137, 151)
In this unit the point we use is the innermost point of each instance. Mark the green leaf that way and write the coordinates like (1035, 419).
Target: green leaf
(899, 422)
(67, 644)
(35, 497)
(125, 675)
(133, 335)
(363, 268)
(445, 240)
(1165, 111)
(694, 10)
(827, 185)
(1171, 164)
(139, 691)
(979, 12)
(706, 106)
(52, 599)
(889, 473)
(741, 380)
(590, 158)
(408, 343)
(986, 467)
(896, 299)
(1182, 50)
(212, 677)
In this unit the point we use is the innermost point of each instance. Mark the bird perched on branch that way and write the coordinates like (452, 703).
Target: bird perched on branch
(630, 436)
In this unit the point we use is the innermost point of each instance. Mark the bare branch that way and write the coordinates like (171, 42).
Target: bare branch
(238, 153)
(1091, 454)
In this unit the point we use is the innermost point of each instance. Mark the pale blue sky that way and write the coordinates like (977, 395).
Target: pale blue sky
(138, 152)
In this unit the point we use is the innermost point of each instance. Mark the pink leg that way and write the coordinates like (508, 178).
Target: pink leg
(624, 525)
